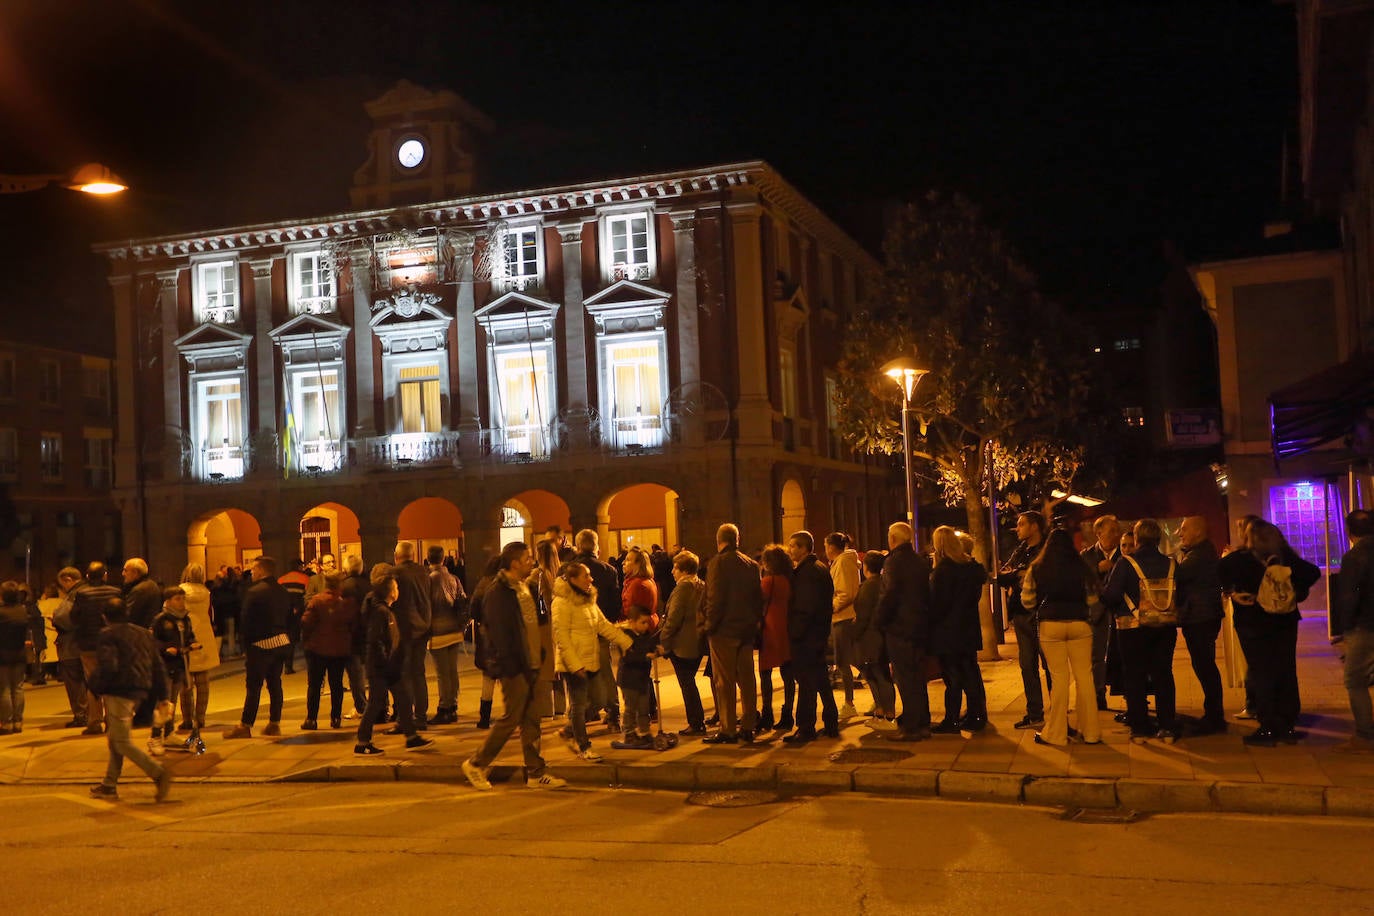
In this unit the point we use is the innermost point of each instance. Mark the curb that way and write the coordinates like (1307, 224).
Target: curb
(1151, 796)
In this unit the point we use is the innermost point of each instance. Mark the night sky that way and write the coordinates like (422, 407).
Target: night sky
(1092, 133)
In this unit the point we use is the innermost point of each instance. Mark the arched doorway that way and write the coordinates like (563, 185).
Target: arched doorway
(640, 515)
(430, 521)
(515, 523)
(330, 528)
(223, 537)
(540, 510)
(793, 503)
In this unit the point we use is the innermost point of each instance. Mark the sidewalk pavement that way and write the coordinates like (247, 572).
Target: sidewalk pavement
(1213, 773)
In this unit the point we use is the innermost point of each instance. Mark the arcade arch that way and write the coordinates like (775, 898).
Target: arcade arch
(639, 515)
(793, 504)
(537, 511)
(330, 528)
(430, 521)
(223, 537)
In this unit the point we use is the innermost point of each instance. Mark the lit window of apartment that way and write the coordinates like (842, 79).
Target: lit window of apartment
(217, 292)
(636, 372)
(218, 424)
(628, 246)
(312, 283)
(520, 258)
(9, 454)
(787, 379)
(7, 377)
(523, 397)
(1123, 344)
(420, 399)
(49, 383)
(1133, 417)
(98, 458)
(318, 416)
(50, 456)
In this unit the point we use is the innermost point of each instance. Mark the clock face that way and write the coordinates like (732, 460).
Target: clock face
(410, 153)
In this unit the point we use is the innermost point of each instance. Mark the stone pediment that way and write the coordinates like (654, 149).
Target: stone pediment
(517, 316)
(308, 327)
(407, 306)
(625, 307)
(514, 304)
(213, 346)
(791, 311)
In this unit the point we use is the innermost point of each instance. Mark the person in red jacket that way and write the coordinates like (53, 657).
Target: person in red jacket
(327, 635)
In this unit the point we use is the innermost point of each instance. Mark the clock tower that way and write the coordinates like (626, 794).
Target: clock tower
(422, 148)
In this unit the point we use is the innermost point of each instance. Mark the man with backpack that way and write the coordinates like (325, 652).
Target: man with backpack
(1140, 594)
(1354, 609)
(128, 671)
(448, 619)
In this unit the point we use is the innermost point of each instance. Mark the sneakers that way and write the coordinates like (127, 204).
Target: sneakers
(882, 724)
(104, 791)
(415, 743)
(1167, 736)
(1027, 722)
(367, 750)
(847, 711)
(309, 725)
(272, 729)
(475, 775)
(164, 785)
(590, 755)
(238, 731)
(353, 714)
(156, 747)
(1246, 714)
(546, 781)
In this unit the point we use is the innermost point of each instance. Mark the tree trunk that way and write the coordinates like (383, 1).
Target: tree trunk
(982, 550)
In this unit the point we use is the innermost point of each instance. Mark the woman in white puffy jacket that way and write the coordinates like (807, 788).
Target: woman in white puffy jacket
(577, 622)
(200, 662)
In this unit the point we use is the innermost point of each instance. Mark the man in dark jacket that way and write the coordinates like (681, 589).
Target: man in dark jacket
(1147, 652)
(601, 693)
(448, 605)
(1102, 557)
(128, 671)
(1354, 608)
(266, 616)
(903, 617)
(142, 595)
(809, 613)
(513, 654)
(414, 618)
(91, 603)
(1030, 533)
(297, 584)
(733, 609)
(1200, 615)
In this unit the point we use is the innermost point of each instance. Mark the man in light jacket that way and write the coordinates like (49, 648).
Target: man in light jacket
(845, 577)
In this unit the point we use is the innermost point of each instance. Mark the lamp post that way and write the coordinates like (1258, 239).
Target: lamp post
(907, 374)
(91, 178)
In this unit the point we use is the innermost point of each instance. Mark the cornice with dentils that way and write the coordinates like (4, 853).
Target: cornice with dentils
(696, 188)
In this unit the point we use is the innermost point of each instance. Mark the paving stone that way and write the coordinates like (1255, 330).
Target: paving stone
(1071, 792)
(967, 786)
(904, 781)
(1164, 795)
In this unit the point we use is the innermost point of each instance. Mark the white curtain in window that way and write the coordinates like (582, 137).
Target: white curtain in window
(635, 380)
(223, 414)
(420, 399)
(318, 416)
(524, 381)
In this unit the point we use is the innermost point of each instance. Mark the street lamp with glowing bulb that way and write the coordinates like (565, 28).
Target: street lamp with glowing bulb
(91, 178)
(907, 373)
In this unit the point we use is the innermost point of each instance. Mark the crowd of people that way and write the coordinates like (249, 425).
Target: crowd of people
(564, 632)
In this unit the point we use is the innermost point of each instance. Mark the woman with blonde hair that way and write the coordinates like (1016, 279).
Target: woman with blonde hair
(956, 585)
(200, 661)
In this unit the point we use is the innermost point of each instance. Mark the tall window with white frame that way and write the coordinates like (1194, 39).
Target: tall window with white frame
(787, 379)
(523, 398)
(50, 456)
(49, 383)
(219, 407)
(319, 423)
(832, 417)
(628, 236)
(520, 258)
(314, 291)
(98, 459)
(635, 371)
(217, 294)
(421, 410)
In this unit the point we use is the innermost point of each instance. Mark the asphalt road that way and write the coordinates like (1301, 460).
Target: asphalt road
(409, 848)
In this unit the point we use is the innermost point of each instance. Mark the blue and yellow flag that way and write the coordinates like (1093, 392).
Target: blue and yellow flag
(288, 439)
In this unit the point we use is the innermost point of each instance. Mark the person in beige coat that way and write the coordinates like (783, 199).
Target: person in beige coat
(844, 575)
(577, 623)
(200, 661)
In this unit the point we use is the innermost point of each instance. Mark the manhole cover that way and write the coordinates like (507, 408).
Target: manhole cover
(732, 798)
(1101, 816)
(869, 755)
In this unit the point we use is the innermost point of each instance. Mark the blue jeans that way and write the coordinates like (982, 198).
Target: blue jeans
(11, 695)
(577, 687)
(1359, 672)
(119, 723)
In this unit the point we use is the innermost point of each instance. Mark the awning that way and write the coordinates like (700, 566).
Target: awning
(1322, 408)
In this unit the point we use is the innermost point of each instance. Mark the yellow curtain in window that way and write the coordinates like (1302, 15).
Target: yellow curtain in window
(420, 399)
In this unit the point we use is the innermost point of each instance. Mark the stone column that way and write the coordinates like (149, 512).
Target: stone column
(754, 413)
(685, 313)
(575, 335)
(127, 474)
(379, 543)
(262, 341)
(465, 330)
(366, 424)
(172, 388)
